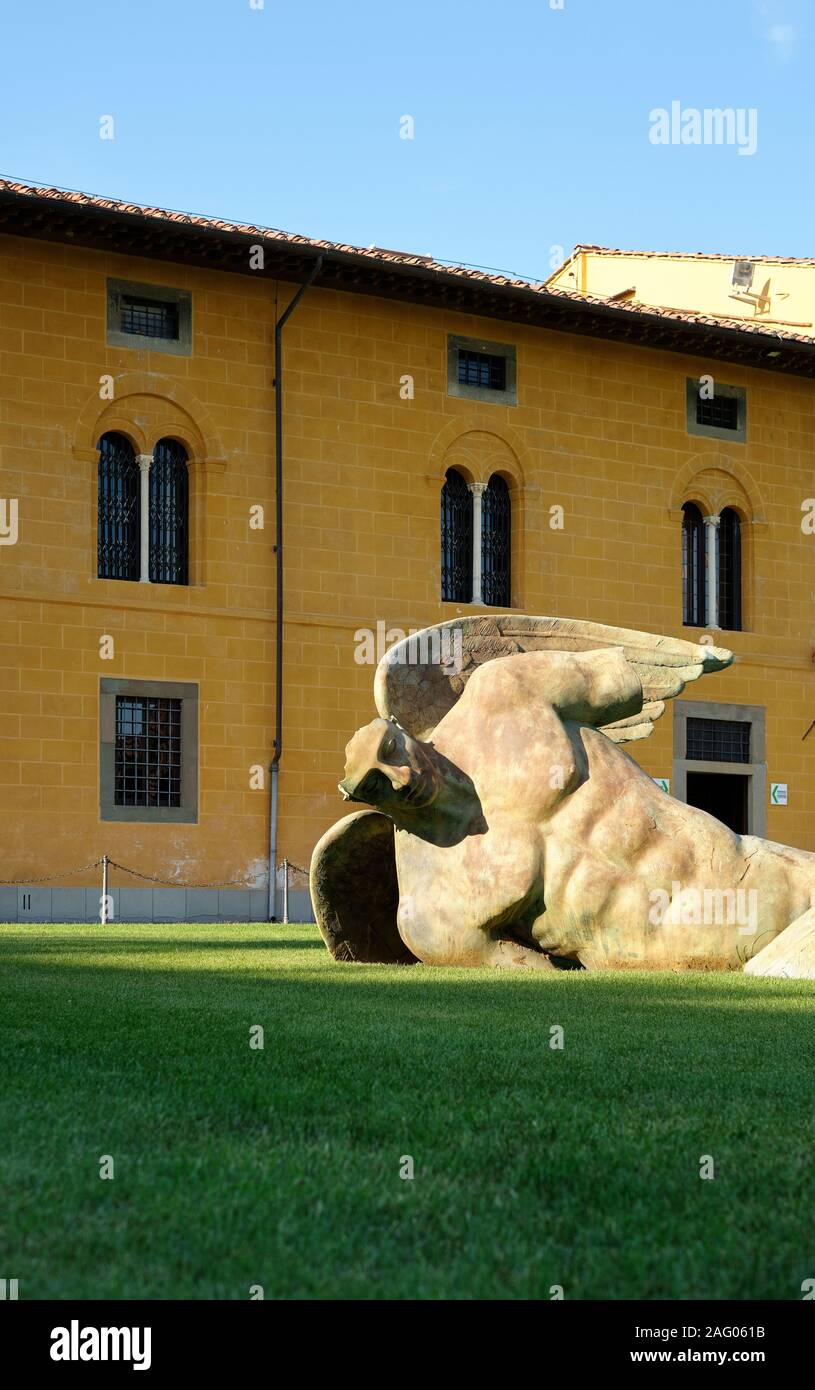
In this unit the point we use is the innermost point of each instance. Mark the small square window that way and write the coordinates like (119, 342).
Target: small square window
(149, 316)
(720, 411)
(716, 410)
(481, 371)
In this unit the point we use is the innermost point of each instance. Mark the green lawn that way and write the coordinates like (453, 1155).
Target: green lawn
(533, 1167)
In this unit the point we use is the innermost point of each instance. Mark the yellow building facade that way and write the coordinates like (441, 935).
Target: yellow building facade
(590, 432)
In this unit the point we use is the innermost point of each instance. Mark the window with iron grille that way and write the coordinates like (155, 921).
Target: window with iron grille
(715, 409)
(720, 411)
(693, 566)
(154, 317)
(496, 543)
(456, 539)
(169, 513)
(149, 318)
(119, 509)
(482, 369)
(148, 751)
(729, 613)
(718, 740)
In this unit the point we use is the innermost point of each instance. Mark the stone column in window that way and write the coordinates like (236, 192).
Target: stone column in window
(144, 461)
(477, 490)
(712, 569)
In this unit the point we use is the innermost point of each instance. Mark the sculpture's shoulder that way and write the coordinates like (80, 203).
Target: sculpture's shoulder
(543, 688)
(514, 692)
(513, 681)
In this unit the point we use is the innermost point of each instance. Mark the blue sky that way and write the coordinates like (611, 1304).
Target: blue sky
(531, 124)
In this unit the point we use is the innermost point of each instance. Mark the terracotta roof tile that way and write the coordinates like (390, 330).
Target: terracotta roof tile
(383, 257)
(689, 255)
(686, 316)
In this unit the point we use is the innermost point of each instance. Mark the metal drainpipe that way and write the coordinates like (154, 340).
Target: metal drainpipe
(274, 766)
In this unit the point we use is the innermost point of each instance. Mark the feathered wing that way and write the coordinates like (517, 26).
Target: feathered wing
(420, 679)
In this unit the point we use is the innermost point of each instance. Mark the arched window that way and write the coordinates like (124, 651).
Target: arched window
(169, 506)
(118, 515)
(496, 543)
(693, 567)
(456, 539)
(730, 570)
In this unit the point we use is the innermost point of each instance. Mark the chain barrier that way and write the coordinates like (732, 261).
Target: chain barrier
(106, 899)
(149, 878)
(47, 878)
(173, 883)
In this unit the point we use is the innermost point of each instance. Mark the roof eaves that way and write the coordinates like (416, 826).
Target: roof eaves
(500, 296)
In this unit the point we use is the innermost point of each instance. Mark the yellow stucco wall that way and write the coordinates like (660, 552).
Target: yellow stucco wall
(599, 430)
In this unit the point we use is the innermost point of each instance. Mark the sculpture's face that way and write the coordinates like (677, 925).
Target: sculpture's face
(386, 768)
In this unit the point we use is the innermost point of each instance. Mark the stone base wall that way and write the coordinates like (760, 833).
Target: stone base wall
(52, 904)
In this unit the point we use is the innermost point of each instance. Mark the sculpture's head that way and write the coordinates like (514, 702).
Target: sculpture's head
(386, 768)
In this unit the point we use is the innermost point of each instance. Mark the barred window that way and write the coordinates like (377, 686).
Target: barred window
(730, 570)
(715, 409)
(693, 566)
(718, 740)
(482, 369)
(148, 751)
(169, 507)
(152, 317)
(456, 539)
(118, 513)
(722, 412)
(496, 543)
(149, 318)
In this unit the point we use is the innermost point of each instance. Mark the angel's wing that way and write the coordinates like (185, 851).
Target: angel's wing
(420, 679)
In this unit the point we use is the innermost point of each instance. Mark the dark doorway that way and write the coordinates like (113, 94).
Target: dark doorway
(721, 794)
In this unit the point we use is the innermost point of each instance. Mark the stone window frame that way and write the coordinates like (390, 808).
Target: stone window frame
(739, 393)
(509, 395)
(187, 693)
(182, 299)
(756, 769)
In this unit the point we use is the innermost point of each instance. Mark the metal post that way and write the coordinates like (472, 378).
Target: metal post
(278, 736)
(285, 890)
(274, 769)
(104, 913)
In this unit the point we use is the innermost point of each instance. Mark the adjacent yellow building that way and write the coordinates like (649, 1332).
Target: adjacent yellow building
(768, 291)
(450, 442)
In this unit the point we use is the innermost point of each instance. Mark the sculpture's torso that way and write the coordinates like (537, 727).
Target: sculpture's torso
(582, 855)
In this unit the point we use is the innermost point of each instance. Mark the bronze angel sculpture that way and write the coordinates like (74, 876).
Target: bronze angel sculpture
(508, 826)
